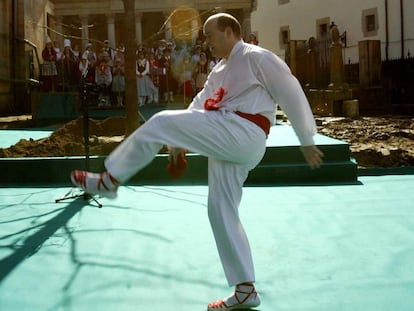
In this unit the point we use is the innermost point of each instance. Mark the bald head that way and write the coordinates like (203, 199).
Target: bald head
(222, 32)
(224, 21)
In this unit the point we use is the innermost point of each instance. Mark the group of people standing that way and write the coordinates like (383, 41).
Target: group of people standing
(163, 70)
(65, 70)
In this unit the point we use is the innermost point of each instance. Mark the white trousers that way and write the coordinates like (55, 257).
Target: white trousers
(233, 146)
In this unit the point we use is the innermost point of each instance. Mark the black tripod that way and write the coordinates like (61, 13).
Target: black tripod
(85, 88)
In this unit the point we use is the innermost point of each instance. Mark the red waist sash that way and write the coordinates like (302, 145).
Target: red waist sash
(258, 119)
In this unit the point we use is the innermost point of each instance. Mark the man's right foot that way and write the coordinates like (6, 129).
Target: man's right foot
(244, 297)
(102, 184)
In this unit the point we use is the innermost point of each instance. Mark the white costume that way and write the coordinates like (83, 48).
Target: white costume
(253, 79)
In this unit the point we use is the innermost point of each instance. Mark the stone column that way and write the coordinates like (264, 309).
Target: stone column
(59, 30)
(111, 30)
(194, 32)
(85, 30)
(138, 27)
(168, 26)
(246, 25)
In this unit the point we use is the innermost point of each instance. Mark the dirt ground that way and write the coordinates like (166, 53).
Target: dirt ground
(68, 139)
(384, 141)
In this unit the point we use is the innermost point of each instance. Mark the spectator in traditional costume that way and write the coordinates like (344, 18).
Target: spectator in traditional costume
(196, 54)
(84, 74)
(159, 51)
(167, 82)
(119, 55)
(184, 74)
(145, 87)
(92, 58)
(108, 49)
(103, 79)
(154, 75)
(67, 67)
(118, 81)
(57, 50)
(76, 53)
(49, 71)
(201, 71)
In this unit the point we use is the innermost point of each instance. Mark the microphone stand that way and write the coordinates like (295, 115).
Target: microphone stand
(84, 104)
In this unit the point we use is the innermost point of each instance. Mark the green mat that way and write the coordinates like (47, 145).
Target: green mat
(10, 137)
(316, 248)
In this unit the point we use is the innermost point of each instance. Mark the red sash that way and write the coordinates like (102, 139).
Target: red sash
(258, 119)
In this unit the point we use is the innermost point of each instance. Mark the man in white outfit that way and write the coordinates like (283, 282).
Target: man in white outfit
(228, 122)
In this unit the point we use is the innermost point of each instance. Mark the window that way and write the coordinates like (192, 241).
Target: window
(369, 21)
(284, 36)
(322, 28)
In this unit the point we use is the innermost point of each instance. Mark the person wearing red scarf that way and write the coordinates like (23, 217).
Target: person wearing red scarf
(49, 71)
(228, 122)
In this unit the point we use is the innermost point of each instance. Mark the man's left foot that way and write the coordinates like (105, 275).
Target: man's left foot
(102, 184)
(244, 297)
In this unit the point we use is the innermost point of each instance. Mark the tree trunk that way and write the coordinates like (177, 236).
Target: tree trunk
(131, 98)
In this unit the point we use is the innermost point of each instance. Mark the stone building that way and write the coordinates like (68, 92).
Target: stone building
(372, 62)
(389, 21)
(25, 25)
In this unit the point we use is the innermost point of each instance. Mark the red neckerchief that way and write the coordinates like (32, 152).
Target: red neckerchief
(211, 103)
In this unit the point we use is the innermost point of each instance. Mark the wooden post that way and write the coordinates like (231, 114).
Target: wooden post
(369, 62)
(131, 96)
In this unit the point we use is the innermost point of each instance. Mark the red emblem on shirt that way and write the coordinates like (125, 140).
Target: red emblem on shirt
(211, 103)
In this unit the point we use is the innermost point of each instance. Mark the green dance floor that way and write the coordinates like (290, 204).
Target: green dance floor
(316, 248)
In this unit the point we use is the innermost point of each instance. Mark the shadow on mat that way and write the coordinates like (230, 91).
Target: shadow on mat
(32, 243)
(28, 246)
